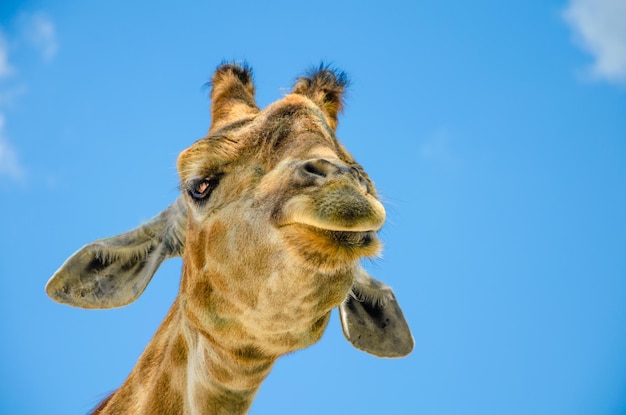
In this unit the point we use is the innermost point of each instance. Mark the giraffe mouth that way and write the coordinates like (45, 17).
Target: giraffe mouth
(331, 229)
(329, 249)
(341, 236)
(344, 211)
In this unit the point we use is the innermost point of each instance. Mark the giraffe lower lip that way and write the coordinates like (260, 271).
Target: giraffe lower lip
(341, 237)
(352, 238)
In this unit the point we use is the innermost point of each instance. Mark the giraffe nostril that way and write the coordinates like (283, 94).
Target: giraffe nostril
(318, 167)
(316, 171)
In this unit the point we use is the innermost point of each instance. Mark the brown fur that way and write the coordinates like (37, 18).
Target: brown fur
(268, 254)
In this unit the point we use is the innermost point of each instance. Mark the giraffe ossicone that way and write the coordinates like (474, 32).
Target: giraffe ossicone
(273, 218)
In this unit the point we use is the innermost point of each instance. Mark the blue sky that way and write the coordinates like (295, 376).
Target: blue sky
(495, 132)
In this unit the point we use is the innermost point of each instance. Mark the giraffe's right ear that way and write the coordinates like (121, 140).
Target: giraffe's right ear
(113, 272)
(232, 94)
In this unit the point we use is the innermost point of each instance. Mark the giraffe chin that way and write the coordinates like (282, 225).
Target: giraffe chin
(329, 250)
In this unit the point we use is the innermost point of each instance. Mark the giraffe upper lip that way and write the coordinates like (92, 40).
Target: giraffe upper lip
(313, 225)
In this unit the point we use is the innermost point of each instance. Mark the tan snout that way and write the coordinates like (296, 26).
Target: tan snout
(334, 197)
(320, 171)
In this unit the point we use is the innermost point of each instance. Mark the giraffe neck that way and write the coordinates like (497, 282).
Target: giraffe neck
(184, 371)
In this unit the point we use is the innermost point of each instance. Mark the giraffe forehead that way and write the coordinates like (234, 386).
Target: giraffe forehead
(293, 124)
(292, 127)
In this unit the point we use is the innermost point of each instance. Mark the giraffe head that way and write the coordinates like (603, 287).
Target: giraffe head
(277, 182)
(273, 219)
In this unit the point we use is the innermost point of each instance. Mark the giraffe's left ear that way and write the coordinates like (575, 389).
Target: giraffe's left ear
(113, 272)
(372, 320)
(325, 87)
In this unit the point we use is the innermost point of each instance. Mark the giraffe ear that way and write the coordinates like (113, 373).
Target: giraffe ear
(325, 87)
(113, 272)
(232, 94)
(372, 320)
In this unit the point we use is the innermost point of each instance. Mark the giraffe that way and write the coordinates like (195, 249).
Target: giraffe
(273, 217)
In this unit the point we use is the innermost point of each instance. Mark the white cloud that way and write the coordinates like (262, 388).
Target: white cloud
(34, 30)
(39, 31)
(9, 163)
(5, 68)
(600, 29)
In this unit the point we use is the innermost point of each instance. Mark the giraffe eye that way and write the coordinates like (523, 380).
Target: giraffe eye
(200, 190)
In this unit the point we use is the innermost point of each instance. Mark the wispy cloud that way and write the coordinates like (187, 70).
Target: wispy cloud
(10, 165)
(39, 31)
(5, 68)
(600, 29)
